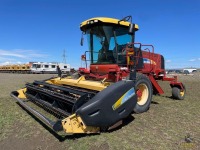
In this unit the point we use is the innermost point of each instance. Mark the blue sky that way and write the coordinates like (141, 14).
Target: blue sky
(39, 30)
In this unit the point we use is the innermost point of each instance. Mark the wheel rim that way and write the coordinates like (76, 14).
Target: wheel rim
(182, 93)
(142, 93)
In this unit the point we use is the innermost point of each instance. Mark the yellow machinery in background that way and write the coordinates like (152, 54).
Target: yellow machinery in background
(15, 68)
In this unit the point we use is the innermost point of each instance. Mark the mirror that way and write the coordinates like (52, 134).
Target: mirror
(82, 39)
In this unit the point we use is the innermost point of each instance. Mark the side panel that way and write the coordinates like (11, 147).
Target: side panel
(110, 105)
(153, 63)
(103, 69)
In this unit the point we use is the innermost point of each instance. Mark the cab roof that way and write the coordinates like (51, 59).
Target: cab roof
(114, 21)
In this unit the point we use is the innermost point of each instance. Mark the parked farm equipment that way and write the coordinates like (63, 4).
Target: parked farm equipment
(22, 68)
(36, 68)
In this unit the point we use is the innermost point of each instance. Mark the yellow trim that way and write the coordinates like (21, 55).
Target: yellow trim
(80, 82)
(153, 62)
(21, 93)
(74, 124)
(118, 102)
(182, 93)
(108, 20)
(126, 96)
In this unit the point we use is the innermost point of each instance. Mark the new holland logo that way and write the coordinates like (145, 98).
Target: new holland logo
(148, 61)
(130, 93)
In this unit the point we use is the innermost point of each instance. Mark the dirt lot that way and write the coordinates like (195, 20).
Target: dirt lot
(164, 126)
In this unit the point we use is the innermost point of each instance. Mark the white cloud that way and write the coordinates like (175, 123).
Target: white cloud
(19, 62)
(21, 53)
(192, 60)
(3, 59)
(168, 61)
(20, 56)
(11, 53)
(38, 55)
(5, 63)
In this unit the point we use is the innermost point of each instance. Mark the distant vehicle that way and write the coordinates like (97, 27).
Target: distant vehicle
(170, 71)
(41, 67)
(191, 70)
(178, 71)
(186, 72)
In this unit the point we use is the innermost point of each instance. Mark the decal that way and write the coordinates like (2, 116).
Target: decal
(148, 61)
(128, 95)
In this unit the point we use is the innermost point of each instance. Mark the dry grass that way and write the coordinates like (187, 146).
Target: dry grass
(164, 126)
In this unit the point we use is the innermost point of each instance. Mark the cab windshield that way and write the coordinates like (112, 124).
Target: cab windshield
(106, 44)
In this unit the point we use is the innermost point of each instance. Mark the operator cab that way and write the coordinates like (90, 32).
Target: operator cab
(107, 38)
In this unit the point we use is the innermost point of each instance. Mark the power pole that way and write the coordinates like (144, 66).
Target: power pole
(64, 57)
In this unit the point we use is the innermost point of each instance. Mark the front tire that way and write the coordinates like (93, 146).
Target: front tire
(144, 93)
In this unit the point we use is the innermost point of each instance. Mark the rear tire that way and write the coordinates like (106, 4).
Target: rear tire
(177, 93)
(144, 91)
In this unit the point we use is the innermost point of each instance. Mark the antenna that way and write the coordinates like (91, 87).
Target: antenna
(64, 57)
